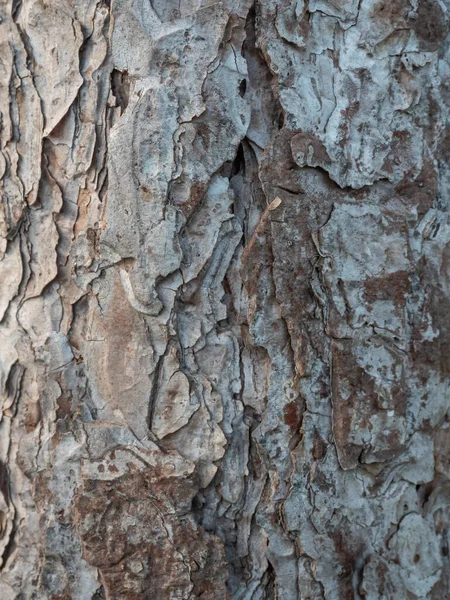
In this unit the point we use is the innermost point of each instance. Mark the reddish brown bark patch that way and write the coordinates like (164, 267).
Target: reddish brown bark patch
(391, 288)
(136, 530)
(291, 416)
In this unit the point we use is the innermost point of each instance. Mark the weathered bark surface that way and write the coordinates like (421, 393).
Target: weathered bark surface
(225, 289)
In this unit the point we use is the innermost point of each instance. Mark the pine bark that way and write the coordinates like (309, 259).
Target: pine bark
(224, 300)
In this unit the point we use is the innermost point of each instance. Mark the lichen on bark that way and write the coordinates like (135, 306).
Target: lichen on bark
(224, 266)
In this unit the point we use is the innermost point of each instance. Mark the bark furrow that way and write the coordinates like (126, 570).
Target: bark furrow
(225, 288)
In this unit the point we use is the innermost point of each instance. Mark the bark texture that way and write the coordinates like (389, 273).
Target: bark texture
(225, 289)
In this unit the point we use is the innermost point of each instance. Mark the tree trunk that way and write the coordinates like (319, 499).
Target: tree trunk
(225, 289)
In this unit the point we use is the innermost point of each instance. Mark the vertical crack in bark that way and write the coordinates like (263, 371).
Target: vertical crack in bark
(224, 294)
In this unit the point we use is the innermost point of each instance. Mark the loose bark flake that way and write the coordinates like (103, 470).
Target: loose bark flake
(224, 266)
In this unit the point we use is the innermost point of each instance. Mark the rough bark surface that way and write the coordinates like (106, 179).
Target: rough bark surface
(225, 289)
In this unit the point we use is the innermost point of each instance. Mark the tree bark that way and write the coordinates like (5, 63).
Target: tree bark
(225, 289)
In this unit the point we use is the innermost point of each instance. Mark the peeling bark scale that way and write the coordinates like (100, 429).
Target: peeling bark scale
(224, 299)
